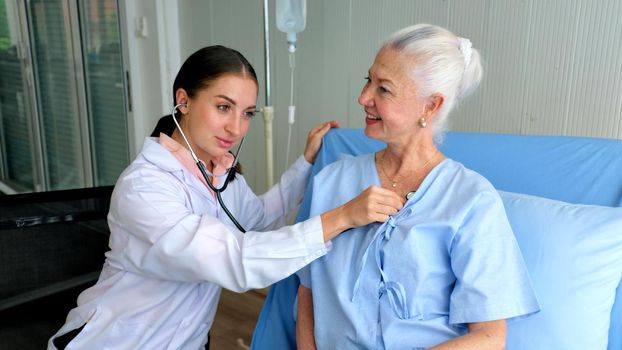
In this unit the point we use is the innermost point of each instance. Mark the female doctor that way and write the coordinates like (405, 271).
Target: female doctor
(172, 245)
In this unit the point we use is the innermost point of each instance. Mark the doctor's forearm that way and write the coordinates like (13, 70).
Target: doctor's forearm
(334, 222)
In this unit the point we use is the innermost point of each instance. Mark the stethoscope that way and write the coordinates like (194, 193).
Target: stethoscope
(201, 165)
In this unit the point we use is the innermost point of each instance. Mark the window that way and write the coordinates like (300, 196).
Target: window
(64, 122)
(105, 90)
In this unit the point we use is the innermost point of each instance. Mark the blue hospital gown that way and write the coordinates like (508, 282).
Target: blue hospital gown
(448, 258)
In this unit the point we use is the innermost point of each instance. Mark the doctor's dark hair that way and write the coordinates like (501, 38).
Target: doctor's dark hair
(201, 69)
(207, 65)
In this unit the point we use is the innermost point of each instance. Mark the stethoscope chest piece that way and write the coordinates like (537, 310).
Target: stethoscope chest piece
(409, 195)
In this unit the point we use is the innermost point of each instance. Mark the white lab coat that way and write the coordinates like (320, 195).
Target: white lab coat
(172, 248)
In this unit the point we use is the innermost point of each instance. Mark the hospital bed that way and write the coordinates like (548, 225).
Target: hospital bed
(563, 197)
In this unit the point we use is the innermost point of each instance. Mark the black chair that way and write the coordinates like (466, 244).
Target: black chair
(51, 242)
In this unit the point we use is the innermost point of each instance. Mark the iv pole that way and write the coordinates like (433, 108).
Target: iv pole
(268, 109)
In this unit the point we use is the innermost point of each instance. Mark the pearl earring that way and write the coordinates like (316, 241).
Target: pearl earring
(422, 122)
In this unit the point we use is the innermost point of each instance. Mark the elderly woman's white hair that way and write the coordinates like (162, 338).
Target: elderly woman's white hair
(444, 63)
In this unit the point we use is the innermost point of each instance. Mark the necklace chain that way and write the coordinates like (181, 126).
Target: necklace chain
(394, 183)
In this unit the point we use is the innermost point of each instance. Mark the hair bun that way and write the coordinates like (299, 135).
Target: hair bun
(466, 47)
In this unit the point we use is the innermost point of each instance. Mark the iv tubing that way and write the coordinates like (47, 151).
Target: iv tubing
(291, 109)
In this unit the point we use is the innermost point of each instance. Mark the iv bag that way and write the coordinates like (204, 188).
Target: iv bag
(291, 18)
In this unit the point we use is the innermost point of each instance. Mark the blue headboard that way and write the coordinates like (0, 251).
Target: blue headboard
(570, 169)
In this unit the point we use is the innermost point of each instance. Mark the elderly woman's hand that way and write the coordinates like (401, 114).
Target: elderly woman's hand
(314, 140)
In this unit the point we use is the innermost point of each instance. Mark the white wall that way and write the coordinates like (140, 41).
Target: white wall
(151, 57)
(237, 24)
(552, 67)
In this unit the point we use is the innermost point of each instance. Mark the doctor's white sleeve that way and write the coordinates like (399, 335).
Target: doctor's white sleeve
(268, 211)
(154, 234)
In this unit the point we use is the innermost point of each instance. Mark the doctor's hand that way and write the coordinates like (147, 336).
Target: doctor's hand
(314, 140)
(375, 204)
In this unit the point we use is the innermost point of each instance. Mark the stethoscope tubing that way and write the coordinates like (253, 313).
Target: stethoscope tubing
(203, 170)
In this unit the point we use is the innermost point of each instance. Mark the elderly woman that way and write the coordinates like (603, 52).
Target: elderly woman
(445, 272)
